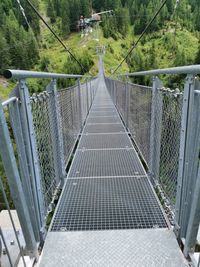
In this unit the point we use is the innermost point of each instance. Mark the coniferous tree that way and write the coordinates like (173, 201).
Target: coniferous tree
(197, 58)
(85, 8)
(50, 11)
(4, 53)
(75, 13)
(122, 16)
(65, 18)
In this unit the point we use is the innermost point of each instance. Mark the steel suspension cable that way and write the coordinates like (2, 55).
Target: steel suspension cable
(57, 37)
(142, 34)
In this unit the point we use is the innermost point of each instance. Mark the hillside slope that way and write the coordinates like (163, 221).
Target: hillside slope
(173, 45)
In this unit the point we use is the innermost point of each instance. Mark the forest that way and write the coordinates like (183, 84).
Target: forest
(21, 39)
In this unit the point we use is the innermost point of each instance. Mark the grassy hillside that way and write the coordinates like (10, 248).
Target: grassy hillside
(168, 47)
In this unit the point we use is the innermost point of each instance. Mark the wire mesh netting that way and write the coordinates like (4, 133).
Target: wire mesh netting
(84, 101)
(66, 118)
(139, 111)
(139, 121)
(43, 128)
(73, 112)
(69, 110)
(121, 98)
(140, 118)
(170, 143)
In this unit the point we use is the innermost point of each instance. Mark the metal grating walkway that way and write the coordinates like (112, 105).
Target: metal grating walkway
(108, 213)
(107, 186)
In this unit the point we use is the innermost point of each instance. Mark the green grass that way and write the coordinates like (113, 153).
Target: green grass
(5, 88)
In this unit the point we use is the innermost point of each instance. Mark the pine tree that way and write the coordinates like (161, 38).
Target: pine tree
(4, 54)
(85, 8)
(65, 18)
(31, 16)
(75, 13)
(197, 58)
(122, 16)
(152, 62)
(50, 11)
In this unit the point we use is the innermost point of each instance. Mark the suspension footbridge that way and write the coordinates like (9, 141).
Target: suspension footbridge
(125, 159)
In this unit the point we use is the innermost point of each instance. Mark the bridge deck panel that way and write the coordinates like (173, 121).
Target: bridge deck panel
(105, 141)
(108, 213)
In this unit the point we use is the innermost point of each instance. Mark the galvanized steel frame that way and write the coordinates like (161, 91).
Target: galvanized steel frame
(26, 190)
(187, 204)
(15, 185)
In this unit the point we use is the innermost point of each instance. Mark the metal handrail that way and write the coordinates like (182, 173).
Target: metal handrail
(22, 74)
(192, 69)
(10, 100)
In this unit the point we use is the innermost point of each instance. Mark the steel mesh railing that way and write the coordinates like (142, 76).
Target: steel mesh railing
(73, 112)
(70, 119)
(170, 142)
(139, 111)
(84, 101)
(121, 98)
(70, 116)
(139, 121)
(43, 128)
(166, 122)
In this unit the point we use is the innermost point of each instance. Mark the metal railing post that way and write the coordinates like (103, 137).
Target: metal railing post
(14, 181)
(23, 164)
(127, 88)
(56, 134)
(114, 93)
(87, 96)
(91, 93)
(80, 106)
(155, 131)
(32, 156)
(194, 219)
(188, 156)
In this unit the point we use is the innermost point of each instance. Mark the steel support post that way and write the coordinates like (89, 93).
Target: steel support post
(194, 219)
(23, 164)
(114, 93)
(58, 152)
(32, 156)
(109, 86)
(194, 145)
(113, 90)
(155, 132)
(127, 88)
(72, 118)
(80, 106)
(14, 181)
(87, 96)
(188, 151)
(91, 93)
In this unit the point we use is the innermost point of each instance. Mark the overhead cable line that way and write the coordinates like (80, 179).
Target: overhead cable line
(142, 34)
(57, 37)
(23, 13)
